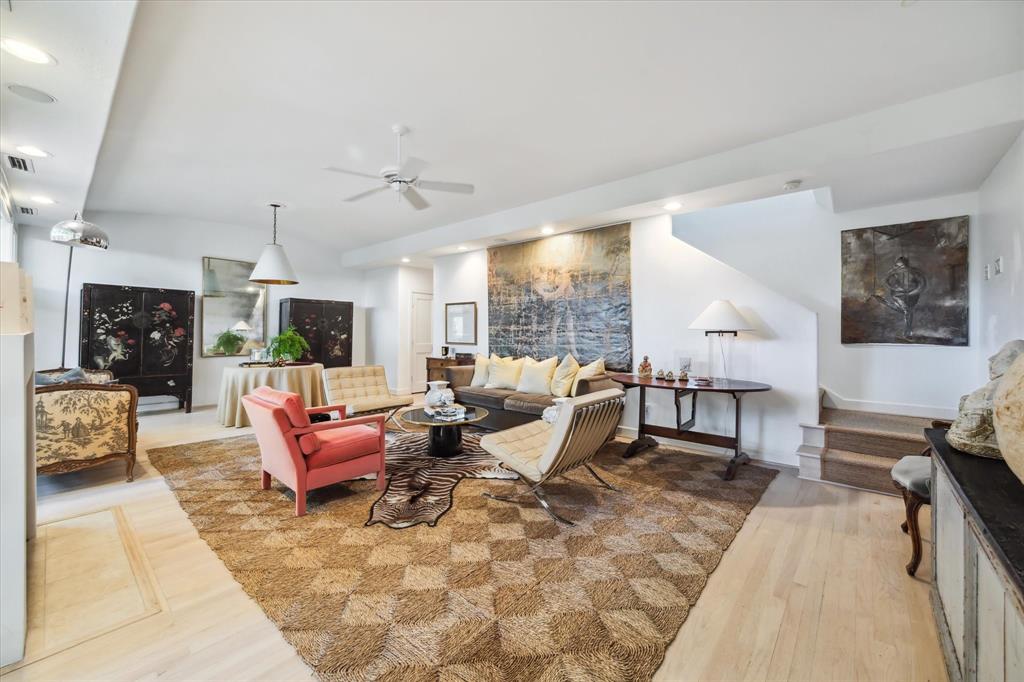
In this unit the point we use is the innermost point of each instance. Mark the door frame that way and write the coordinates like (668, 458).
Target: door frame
(412, 337)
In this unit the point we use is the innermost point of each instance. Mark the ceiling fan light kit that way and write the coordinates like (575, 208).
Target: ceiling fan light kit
(404, 178)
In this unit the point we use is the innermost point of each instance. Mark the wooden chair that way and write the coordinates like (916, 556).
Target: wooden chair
(539, 451)
(912, 476)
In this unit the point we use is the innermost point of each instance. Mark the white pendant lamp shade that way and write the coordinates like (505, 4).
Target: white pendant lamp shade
(241, 326)
(273, 266)
(78, 232)
(721, 316)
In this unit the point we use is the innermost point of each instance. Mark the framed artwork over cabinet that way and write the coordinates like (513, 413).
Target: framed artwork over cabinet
(326, 326)
(460, 323)
(143, 335)
(234, 311)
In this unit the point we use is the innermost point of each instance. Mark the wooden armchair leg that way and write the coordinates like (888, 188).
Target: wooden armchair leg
(129, 468)
(914, 504)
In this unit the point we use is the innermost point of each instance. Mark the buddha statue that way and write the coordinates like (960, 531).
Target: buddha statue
(972, 430)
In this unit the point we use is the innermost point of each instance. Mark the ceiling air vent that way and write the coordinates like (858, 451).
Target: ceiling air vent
(25, 210)
(18, 163)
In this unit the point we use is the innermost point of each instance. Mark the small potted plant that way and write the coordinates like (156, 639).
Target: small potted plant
(288, 346)
(229, 343)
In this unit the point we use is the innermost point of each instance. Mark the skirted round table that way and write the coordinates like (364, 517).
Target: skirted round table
(238, 381)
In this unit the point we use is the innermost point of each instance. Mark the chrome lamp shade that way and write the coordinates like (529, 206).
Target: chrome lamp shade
(273, 267)
(78, 232)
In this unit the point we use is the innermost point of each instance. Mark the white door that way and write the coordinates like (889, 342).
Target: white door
(422, 339)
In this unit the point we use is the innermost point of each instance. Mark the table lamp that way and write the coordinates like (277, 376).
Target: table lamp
(720, 321)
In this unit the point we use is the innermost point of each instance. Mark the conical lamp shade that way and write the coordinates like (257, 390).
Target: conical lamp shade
(721, 316)
(273, 267)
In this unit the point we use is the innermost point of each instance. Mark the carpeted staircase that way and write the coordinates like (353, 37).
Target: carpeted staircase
(862, 447)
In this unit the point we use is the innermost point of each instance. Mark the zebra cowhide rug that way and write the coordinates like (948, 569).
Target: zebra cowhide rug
(420, 486)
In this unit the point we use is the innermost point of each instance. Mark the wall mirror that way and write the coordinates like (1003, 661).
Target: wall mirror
(234, 310)
(460, 323)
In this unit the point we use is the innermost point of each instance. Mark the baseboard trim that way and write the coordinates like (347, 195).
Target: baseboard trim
(629, 432)
(832, 399)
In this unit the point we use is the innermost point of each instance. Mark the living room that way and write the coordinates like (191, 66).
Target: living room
(589, 340)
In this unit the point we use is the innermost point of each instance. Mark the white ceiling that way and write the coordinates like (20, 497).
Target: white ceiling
(225, 106)
(88, 41)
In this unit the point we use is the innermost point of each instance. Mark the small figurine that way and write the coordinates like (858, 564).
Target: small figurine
(660, 374)
(683, 376)
(670, 376)
(644, 370)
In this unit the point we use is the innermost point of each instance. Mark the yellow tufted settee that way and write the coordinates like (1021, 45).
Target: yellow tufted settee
(362, 390)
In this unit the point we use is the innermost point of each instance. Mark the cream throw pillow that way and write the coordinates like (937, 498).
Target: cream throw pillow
(504, 372)
(586, 372)
(565, 374)
(480, 370)
(536, 376)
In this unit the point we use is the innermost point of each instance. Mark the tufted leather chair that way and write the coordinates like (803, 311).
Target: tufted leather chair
(363, 390)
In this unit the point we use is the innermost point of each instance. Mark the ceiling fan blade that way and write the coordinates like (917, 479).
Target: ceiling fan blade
(415, 198)
(459, 187)
(412, 167)
(335, 169)
(363, 195)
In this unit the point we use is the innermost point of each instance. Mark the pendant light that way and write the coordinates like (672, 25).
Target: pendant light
(75, 233)
(273, 266)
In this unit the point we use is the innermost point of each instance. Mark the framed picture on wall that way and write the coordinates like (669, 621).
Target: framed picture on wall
(234, 310)
(460, 323)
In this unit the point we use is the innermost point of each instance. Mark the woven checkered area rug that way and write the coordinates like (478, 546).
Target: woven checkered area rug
(493, 591)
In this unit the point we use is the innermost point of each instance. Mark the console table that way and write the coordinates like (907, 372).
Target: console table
(683, 429)
(978, 559)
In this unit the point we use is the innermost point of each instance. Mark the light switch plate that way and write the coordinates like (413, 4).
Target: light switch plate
(998, 269)
(988, 271)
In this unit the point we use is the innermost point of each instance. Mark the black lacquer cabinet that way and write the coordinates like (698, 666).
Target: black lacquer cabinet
(143, 335)
(326, 326)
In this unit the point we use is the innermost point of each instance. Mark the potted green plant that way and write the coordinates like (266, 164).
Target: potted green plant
(229, 342)
(288, 345)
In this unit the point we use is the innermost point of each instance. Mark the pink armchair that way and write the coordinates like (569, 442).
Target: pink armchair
(305, 456)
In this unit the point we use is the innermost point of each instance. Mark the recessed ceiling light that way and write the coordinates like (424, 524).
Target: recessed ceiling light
(31, 93)
(792, 185)
(463, 248)
(29, 150)
(25, 51)
(672, 206)
(40, 199)
(547, 229)
(406, 260)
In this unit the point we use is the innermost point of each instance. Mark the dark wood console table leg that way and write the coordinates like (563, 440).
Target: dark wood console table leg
(643, 441)
(740, 457)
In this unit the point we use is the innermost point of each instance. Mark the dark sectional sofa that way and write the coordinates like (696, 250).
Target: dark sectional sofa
(507, 408)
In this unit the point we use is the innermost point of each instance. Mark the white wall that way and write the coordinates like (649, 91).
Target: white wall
(160, 251)
(389, 305)
(672, 284)
(791, 244)
(461, 278)
(1001, 222)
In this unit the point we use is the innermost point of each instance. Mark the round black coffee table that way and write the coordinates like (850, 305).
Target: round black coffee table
(445, 435)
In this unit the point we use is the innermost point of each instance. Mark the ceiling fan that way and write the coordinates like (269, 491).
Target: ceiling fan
(404, 178)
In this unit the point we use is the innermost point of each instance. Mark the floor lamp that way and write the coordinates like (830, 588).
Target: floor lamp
(75, 233)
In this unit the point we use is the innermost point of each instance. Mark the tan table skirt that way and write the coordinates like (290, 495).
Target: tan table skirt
(238, 381)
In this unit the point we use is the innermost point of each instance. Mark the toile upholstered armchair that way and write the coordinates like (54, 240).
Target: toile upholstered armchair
(82, 425)
(539, 451)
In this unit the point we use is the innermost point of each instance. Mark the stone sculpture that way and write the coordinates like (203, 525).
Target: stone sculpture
(972, 430)
(1008, 417)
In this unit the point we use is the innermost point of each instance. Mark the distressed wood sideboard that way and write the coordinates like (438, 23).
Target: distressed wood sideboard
(978, 559)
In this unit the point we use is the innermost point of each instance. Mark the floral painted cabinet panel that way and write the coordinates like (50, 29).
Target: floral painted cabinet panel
(143, 335)
(326, 326)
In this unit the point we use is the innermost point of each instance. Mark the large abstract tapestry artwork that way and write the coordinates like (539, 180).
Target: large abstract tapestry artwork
(564, 294)
(906, 283)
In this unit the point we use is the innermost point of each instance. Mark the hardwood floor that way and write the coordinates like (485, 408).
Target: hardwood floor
(813, 588)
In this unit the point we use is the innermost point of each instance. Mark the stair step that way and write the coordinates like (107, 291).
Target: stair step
(858, 469)
(871, 433)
